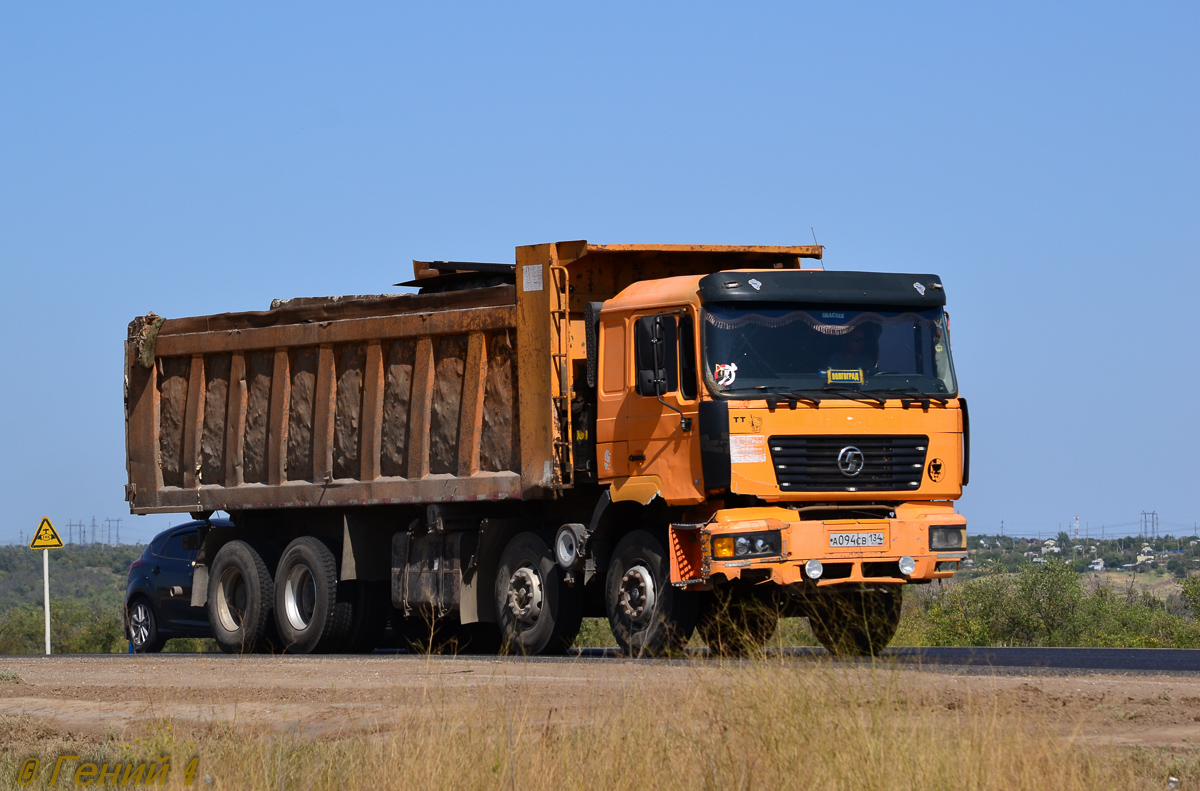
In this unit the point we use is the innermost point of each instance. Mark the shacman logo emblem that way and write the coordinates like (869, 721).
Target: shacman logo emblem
(850, 461)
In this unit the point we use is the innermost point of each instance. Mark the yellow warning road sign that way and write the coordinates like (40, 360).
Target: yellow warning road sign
(46, 536)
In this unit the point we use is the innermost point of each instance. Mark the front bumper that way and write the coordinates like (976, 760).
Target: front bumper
(693, 561)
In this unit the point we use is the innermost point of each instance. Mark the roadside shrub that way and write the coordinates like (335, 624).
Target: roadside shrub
(1049, 605)
(76, 627)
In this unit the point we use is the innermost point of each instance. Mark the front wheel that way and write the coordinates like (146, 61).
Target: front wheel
(647, 614)
(143, 627)
(857, 622)
(536, 612)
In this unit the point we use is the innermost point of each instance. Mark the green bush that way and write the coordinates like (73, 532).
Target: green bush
(76, 627)
(1049, 606)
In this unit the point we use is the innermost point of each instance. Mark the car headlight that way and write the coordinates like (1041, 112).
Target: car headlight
(741, 546)
(722, 547)
(814, 569)
(907, 565)
(947, 538)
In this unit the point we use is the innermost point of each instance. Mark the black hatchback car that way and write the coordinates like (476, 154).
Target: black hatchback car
(158, 599)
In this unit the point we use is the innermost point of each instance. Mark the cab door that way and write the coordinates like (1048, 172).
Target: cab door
(663, 403)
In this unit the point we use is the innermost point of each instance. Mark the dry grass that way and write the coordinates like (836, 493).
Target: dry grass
(762, 724)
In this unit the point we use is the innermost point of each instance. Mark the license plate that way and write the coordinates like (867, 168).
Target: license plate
(856, 539)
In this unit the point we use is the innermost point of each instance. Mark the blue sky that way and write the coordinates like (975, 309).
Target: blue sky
(196, 158)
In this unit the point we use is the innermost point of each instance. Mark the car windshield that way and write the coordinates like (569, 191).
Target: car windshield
(780, 347)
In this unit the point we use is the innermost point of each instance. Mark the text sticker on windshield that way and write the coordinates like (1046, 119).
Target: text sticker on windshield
(852, 376)
(747, 448)
(725, 373)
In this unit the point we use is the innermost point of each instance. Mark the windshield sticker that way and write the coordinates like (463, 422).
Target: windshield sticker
(920, 288)
(755, 284)
(938, 348)
(747, 448)
(725, 373)
(835, 376)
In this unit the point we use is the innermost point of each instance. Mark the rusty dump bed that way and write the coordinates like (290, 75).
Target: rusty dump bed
(335, 401)
(342, 401)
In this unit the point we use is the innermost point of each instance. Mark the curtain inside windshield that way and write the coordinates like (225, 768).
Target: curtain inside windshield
(803, 348)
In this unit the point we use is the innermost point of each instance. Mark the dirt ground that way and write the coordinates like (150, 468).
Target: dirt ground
(90, 697)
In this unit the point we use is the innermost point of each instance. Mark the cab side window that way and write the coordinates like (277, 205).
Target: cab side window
(687, 358)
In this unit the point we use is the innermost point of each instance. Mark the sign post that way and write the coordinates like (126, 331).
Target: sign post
(45, 539)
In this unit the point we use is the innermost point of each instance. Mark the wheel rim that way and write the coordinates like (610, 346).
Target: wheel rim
(231, 599)
(139, 624)
(638, 594)
(525, 595)
(300, 597)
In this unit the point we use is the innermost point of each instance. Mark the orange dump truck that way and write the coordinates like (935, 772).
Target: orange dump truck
(675, 437)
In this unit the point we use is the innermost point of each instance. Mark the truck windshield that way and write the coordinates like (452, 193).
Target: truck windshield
(780, 347)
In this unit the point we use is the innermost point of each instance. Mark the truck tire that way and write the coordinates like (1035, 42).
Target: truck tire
(857, 622)
(648, 615)
(309, 615)
(537, 613)
(736, 623)
(241, 597)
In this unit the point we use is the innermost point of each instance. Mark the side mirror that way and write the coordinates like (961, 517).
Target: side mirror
(659, 356)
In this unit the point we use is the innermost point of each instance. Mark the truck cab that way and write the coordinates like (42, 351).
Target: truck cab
(808, 421)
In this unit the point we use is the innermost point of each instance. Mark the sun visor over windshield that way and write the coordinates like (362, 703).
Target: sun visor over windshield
(825, 288)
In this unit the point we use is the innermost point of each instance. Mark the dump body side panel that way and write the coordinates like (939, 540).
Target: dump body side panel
(410, 399)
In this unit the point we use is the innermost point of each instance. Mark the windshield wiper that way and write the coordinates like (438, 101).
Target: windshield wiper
(781, 390)
(913, 393)
(845, 392)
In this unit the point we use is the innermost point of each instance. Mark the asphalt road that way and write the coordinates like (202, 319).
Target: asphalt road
(1143, 660)
(1111, 660)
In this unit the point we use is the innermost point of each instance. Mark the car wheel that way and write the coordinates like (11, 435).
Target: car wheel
(143, 627)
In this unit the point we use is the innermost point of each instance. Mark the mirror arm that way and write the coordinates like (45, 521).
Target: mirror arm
(685, 423)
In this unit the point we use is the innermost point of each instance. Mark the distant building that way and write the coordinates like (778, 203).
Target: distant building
(1097, 564)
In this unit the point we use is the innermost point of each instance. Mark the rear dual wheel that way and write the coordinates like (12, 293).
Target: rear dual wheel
(241, 598)
(310, 615)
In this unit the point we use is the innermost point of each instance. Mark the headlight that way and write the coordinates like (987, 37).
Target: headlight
(814, 569)
(747, 545)
(947, 538)
(907, 565)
